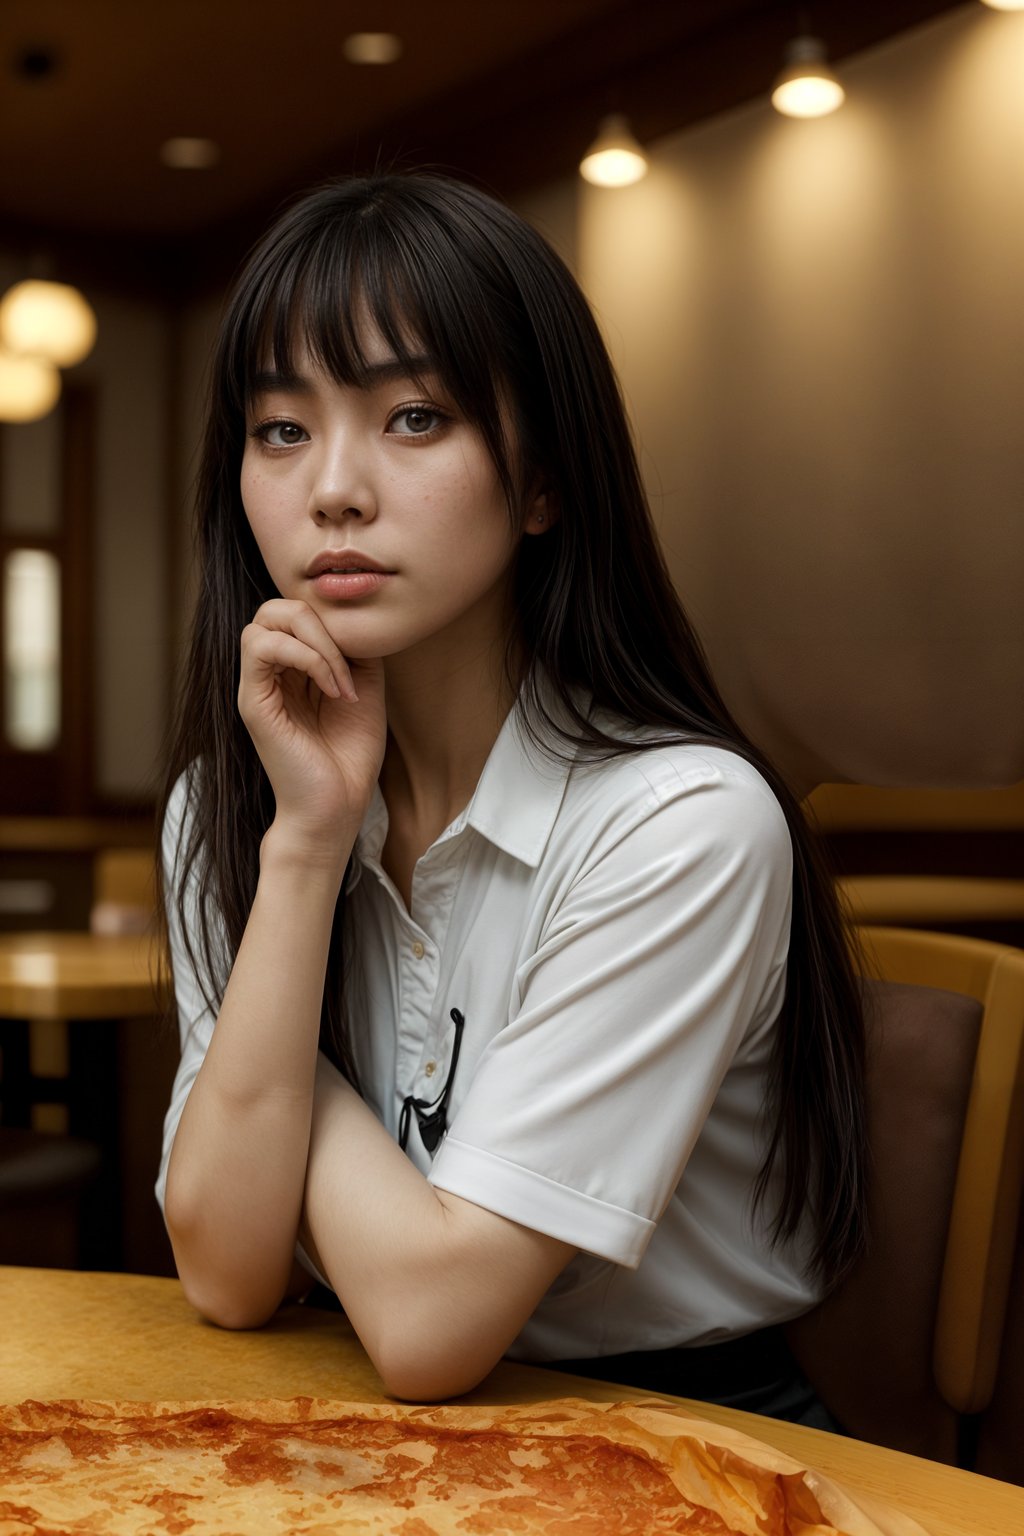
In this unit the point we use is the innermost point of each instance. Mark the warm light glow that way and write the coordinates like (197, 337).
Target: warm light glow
(187, 154)
(615, 159)
(29, 387)
(1004, 5)
(807, 87)
(372, 47)
(52, 321)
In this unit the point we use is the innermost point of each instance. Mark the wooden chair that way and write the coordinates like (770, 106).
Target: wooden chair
(987, 907)
(910, 1341)
(124, 890)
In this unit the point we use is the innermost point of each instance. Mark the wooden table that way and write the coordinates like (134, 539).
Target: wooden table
(79, 976)
(129, 1336)
(95, 1002)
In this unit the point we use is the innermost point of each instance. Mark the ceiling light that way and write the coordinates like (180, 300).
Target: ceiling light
(372, 47)
(615, 159)
(29, 387)
(807, 87)
(189, 154)
(52, 321)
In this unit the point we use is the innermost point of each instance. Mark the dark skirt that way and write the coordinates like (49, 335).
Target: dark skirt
(756, 1373)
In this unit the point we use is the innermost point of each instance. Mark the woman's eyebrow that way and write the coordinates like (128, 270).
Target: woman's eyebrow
(271, 381)
(274, 381)
(398, 368)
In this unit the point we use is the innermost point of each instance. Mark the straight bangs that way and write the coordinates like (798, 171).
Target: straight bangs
(327, 285)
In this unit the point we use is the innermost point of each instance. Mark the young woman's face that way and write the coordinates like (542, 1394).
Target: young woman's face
(380, 507)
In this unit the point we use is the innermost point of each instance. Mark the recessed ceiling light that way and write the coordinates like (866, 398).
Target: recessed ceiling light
(372, 47)
(189, 154)
(36, 63)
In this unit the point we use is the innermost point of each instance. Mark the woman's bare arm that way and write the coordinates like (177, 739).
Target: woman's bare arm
(238, 1164)
(436, 1288)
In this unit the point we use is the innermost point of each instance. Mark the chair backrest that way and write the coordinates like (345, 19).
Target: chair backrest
(911, 1337)
(990, 1175)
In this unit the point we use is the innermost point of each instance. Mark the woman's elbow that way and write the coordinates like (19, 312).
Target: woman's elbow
(225, 1309)
(425, 1370)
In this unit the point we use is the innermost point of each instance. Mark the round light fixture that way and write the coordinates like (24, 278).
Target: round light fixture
(372, 47)
(29, 387)
(47, 320)
(185, 154)
(807, 87)
(616, 158)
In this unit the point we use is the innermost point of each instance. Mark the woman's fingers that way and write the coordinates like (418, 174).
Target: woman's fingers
(266, 653)
(289, 635)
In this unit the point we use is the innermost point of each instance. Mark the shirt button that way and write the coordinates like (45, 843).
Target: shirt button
(430, 1069)
(418, 950)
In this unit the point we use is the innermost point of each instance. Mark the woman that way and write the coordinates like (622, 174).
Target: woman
(535, 1029)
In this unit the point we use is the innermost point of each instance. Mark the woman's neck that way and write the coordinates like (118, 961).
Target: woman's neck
(443, 721)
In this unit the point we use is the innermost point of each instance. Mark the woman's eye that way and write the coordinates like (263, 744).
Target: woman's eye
(280, 434)
(415, 421)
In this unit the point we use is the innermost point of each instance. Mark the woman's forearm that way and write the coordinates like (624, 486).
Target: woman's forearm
(238, 1165)
(436, 1287)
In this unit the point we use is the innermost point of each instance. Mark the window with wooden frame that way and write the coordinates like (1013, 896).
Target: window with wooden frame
(46, 645)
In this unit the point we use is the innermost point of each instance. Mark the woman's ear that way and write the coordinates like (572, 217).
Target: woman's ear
(543, 513)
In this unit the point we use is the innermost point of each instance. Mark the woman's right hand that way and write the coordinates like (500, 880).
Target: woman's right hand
(320, 741)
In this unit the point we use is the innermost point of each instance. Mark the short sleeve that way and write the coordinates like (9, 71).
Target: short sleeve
(195, 1020)
(663, 965)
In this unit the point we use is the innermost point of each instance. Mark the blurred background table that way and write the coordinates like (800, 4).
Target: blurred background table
(135, 1337)
(84, 1052)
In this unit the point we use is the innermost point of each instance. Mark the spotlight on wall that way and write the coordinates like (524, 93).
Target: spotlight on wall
(189, 154)
(29, 387)
(807, 87)
(1004, 5)
(615, 159)
(52, 321)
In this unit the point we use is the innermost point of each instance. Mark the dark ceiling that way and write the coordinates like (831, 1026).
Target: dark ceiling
(506, 94)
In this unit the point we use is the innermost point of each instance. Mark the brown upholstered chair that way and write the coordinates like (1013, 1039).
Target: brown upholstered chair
(910, 1341)
(1000, 1440)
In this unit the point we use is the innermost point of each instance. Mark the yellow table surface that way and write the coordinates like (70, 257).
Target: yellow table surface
(65, 1334)
(79, 976)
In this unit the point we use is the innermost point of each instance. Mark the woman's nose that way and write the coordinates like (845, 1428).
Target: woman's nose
(342, 488)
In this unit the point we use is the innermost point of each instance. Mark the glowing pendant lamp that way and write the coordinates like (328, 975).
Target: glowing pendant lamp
(47, 320)
(29, 387)
(615, 159)
(807, 87)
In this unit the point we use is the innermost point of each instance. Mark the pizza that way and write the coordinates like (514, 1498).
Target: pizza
(309, 1466)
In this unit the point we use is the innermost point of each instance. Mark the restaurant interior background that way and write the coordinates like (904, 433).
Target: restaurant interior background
(818, 324)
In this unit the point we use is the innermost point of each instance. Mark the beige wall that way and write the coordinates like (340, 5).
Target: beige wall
(820, 330)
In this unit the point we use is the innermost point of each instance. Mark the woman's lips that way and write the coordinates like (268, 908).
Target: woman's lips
(344, 585)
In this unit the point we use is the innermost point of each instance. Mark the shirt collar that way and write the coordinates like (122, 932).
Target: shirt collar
(515, 802)
(518, 795)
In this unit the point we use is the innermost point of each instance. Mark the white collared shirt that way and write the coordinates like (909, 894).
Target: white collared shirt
(615, 936)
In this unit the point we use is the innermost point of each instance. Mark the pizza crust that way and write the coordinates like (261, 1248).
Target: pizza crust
(315, 1467)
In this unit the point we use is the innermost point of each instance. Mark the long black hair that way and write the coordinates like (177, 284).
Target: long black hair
(440, 268)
